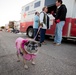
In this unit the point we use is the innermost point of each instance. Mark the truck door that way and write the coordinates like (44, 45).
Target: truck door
(51, 7)
(73, 27)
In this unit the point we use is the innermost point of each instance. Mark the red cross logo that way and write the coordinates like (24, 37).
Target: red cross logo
(24, 15)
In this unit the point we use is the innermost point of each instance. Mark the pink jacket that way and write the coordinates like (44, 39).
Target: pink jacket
(20, 42)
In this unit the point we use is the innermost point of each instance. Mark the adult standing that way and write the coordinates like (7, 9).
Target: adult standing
(36, 25)
(44, 24)
(60, 17)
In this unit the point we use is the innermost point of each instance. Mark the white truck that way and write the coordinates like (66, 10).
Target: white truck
(28, 11)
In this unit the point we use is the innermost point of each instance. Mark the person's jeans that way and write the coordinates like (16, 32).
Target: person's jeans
(58, 32)
(35, 33)
(42, 35)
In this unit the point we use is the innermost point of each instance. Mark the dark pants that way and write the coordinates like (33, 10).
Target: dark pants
(42, 35)
(35, 34)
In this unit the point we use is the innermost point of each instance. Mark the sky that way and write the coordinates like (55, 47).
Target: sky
(10, 10)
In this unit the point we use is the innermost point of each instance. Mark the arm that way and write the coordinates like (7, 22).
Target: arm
(41, 19)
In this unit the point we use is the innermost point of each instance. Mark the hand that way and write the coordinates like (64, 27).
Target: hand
(58, 20)
(40, 27)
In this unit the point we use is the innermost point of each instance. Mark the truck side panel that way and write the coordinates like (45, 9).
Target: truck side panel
(73, 28)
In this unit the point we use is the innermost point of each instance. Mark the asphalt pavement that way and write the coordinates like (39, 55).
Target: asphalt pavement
(51, 59)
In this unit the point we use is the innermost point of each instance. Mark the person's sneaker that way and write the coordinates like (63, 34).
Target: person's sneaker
(25, 66)
(58, 44)
(33, 63)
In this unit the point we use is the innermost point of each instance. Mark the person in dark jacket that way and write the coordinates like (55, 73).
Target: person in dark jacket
(60, 18)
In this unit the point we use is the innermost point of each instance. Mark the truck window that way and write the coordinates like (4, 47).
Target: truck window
(49, 2)
(27, 8)
(37, 4)
(74, 10)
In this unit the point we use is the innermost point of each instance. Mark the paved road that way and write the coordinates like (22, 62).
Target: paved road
(51, 60)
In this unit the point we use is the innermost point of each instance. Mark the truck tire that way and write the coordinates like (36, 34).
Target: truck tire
(30, 32)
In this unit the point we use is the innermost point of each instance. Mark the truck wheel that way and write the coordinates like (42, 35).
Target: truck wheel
(30, 32)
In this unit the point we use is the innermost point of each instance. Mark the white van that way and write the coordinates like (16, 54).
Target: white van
(28, 11)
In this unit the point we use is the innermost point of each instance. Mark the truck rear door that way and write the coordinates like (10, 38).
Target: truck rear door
(73, 27)
(51, 7)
